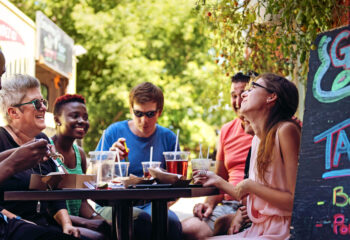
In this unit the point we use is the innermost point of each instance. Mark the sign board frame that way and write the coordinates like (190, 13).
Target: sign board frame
(322, 197)
(54, 47)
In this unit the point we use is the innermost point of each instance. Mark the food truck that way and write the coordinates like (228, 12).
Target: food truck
(40, 49)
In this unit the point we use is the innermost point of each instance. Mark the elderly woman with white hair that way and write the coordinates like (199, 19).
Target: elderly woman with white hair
(23, 106)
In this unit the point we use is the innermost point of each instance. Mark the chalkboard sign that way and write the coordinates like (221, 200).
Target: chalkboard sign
(55, 47)
(322, 197)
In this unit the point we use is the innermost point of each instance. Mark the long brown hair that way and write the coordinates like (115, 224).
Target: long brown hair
(285, 106)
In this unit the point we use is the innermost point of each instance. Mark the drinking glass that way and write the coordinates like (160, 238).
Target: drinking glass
(200, 164)
(147, 165)
(102, 164)
(124, 169)
(177, 162)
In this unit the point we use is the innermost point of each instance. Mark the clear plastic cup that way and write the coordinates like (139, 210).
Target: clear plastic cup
(212, 165)
(200, 164)
(102, 164)
(121, 169)
(177, 162)
(147, 165)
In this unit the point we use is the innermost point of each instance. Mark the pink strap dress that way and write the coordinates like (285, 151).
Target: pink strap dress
(268, 221)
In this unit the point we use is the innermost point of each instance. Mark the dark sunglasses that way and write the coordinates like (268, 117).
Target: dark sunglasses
(149, 114)
(36, 102)
(258, 85)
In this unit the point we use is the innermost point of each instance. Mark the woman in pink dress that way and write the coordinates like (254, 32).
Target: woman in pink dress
(268, 105)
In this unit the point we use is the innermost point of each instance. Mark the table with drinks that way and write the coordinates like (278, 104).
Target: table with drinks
(121, 198)
(121, 202)
(158, 194)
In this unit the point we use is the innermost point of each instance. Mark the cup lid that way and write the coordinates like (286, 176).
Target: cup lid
(101, 152)
(177, 152)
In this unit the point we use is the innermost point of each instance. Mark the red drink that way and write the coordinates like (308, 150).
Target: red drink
(146, 175)
(177, 167)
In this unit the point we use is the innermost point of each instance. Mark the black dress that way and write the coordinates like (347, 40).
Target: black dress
(20, 182)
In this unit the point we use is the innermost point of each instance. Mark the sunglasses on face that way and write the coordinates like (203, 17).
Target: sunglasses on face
(149, 114)
(36, 102)
(254, 84)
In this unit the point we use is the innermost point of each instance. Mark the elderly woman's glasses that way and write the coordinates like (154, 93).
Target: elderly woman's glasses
(149, 114)
(254, 84)
(36, 102)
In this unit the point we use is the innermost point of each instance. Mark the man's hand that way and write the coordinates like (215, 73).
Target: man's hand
(240, 218)
(202, 210)
(119, 146)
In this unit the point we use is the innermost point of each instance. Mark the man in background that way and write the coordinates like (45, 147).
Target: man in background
(233, 147)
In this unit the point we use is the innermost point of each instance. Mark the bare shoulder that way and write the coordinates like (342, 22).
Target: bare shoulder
(82, 152)
(288, 128)
(289, 134)
(83, 159)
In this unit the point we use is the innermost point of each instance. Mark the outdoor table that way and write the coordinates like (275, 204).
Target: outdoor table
(121, 202)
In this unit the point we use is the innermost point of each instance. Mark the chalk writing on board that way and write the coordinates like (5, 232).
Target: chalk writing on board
(338, 225)
(342, 146)
(339, 89)
(322, 197)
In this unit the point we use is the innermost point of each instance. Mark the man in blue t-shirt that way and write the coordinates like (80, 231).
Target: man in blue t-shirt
(146, 105)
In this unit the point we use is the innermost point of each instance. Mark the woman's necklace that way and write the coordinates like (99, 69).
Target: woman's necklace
(56, 155)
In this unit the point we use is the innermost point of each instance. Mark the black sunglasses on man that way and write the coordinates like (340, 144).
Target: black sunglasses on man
(149, 114)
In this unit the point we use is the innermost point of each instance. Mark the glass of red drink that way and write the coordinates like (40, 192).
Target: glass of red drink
(177, 162)
(147, 165)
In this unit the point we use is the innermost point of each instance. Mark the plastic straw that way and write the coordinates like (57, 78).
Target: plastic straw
(120, 166)
(208, 152)
(100, 157)
(103, 140)
(151, 154)
(200, 151)
(177, 142)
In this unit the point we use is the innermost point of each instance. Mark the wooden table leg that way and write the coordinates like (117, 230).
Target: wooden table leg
(159, 219)
(123, 214)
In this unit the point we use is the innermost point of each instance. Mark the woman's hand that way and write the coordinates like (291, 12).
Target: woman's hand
(70, 230)
(207, 178)
(62, 218)
(242, 189)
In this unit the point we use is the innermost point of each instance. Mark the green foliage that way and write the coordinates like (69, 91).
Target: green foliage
(269, 35)
(129, 42)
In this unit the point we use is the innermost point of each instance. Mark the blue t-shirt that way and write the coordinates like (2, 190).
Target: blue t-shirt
(162, 140)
